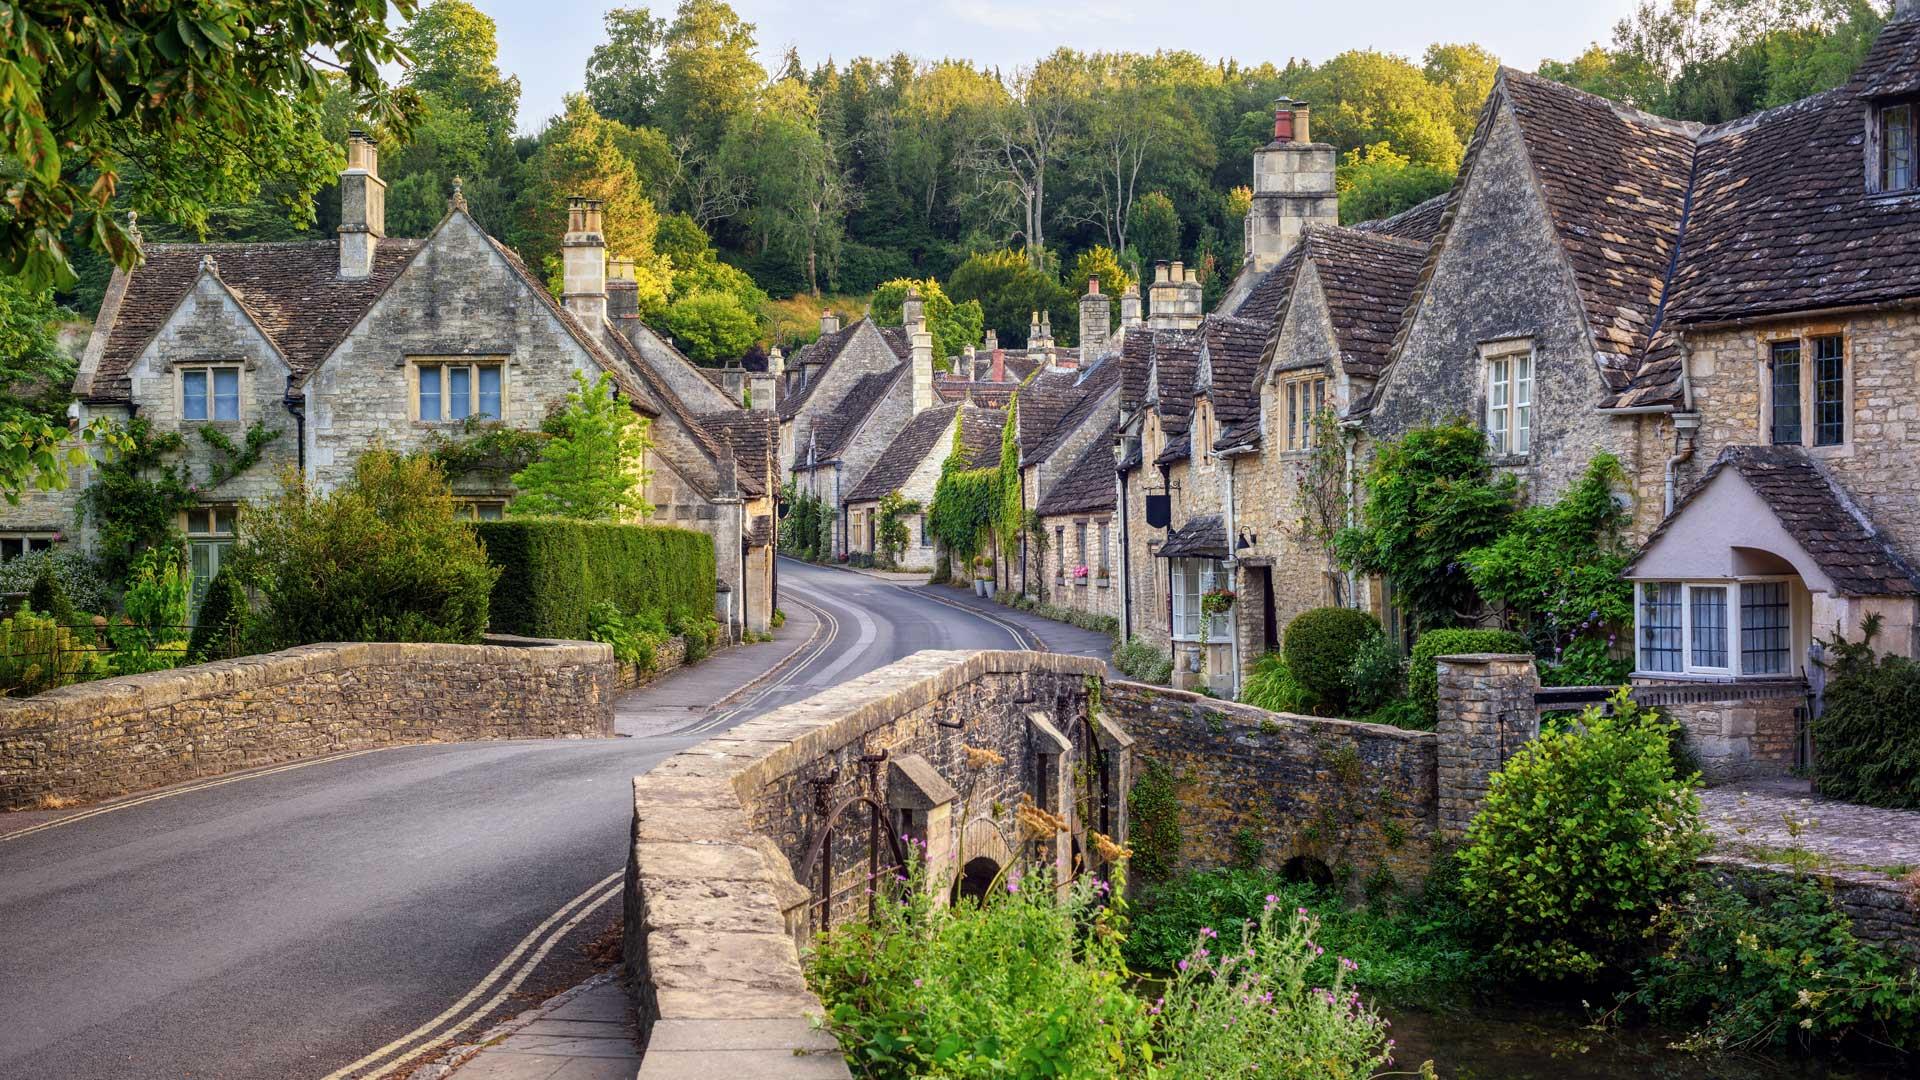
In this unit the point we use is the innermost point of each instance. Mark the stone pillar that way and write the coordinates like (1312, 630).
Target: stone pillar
(1096, 322)
(917, 793)
(1487, 713)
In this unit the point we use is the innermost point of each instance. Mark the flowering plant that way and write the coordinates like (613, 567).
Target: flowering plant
(1216, 601)
(1080, 573)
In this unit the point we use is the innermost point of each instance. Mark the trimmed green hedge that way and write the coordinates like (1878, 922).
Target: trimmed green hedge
(1423, 680)
(552, 573)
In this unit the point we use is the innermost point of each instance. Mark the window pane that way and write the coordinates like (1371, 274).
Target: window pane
(490, 392)
(430, 393)
(1293, 415)
(1766, 637)
(223, 520)
(1709, 626)
(1786, 393)
(12, 547)
(193, 395)
(1497, 406)
(1660, 626)
(1522, 403)
(1896, 148)
(1829, 391)
(459, 392)
(226, 393)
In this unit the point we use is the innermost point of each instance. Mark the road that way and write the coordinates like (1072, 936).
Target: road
(298, 922)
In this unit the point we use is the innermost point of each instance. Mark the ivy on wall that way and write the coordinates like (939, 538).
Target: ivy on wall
(234, 459)
(965, 501)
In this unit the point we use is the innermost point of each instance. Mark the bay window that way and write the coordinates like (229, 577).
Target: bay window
(1687, 627)
(1192, 579)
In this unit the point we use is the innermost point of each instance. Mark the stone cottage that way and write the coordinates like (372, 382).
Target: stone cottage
(911, 465)
(328, 347)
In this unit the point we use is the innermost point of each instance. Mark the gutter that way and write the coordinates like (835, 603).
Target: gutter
(298, 407)
(1126, 564)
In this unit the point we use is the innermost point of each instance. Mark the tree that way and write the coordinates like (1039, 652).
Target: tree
(455, 49)
(594, 466)
(1098, 262)
(1364, 97)
(1320, 497)
(203, 102)
(1024, 140)
(1141, 115)
(710, 327)
(36, 375)
(1009, 290)
(954, 326)
(709, 75)
(624, 73)
(1466, 73)
(1377, 182)
(1156, 228)
(800, 193)
(579, 155)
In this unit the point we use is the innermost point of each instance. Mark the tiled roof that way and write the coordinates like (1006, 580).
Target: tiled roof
(1200, 538)
(754, 435)
(1044, 399)
(1421, 223)
(1615, 185)
(1176, 356)
(1269, 297)
(293, 290)
(1892, 67)
(925, 435)
(1368, 281)
(833, 430)
(1233, 349)
(1087, 487)
(993, 395)
(1085, 398)
(751, 481)
(824, 350)
(1817, 513)
(761, 534)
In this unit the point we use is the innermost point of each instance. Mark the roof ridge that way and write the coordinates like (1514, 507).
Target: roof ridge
(1740, 125)
(1688, 128)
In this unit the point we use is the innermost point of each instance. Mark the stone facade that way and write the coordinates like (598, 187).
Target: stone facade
(1487, 713)
(1098, 592)
(1739, 732)
(1293, 792)
(96, 740)
(943, 745)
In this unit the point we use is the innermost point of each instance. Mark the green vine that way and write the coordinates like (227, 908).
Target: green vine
(964, 502)
(136, 498)
(1153, 807)
(486, 446)
(1010, 514)
(234, 460)
(892, 532)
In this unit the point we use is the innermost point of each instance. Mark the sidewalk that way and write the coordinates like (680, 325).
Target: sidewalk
(683, 696)
(1053, 636)
(1781, 820)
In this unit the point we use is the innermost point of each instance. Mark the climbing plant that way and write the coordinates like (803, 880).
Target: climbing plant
(893, 534)
(1009, 515)
(965, 502)
(486, 446)
(1153, 807)
(136, 497)
(234, 459)
(1320, 497)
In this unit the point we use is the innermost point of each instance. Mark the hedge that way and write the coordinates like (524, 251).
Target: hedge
(1319, 646)
(1423, 680)
(552, 573)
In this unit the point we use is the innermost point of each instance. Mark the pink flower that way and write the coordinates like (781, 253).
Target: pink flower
(1183, 965)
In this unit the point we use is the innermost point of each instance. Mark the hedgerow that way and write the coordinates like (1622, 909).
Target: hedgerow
(553, 572)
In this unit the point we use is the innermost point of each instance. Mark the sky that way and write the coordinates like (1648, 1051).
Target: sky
(546, 42)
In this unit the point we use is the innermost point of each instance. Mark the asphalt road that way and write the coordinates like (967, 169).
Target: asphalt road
(295, 922)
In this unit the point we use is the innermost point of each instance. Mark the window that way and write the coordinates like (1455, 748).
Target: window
(1896, 133)
(1105, 567)
(209, 540)
(1304, 400)
(1080, 546)
(481, 509)
(1785, 365)
(1203, 433)
(448, 391)
(1060, 555)
(1192, 579)
(14, 545)
(1686, 627)
(1808, 398)
(1510, 401)
(210, 393)
(926, 539)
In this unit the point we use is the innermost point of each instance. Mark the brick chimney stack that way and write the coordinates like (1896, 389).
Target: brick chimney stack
(1096, 323)
(623, 291)
(1292, 187)
(999, 364)
(363, 207)
(583, 257)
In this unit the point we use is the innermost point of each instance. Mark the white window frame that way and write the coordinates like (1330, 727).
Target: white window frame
(1203, 575)
(446, 364)
(1509, 397)
(211, 397)
(1732, 668)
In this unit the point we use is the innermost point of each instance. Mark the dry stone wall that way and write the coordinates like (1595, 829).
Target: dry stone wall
(101, 739)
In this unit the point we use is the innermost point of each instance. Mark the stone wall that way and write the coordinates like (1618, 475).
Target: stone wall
(1883, 910)
(1739, 731)
(1095, 594)
(101, 739)
(724, 833)
(1357, 799)
(1487, 713)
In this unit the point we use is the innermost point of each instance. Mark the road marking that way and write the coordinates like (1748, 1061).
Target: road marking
(823, 619)
(1022, 637)
(869, 633)
(128, 804)
(415, 1042)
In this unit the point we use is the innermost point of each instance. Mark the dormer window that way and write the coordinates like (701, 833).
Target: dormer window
(210, 393)
(1304, 398)
(1896, 133)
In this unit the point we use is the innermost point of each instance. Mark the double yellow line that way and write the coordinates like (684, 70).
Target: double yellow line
(127, 804)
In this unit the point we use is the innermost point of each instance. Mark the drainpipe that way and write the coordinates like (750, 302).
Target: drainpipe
(1353, 583)
(1232, 564)
(298, 408)
(741, 517)
(1686, 425)
(1020, 534)
(846, 521)
(1126, 568)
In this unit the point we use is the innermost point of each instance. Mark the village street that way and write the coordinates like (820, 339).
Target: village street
(289, 921)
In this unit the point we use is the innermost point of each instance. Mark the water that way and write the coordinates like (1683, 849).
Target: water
(1495, 1042)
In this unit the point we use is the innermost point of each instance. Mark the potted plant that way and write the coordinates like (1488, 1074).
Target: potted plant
(1080, 575)
(1213, 602)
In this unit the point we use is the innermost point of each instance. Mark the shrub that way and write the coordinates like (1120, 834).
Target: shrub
(636, 639)
(1582, 834)
(1869, 733)
(79, 577)
(37, 654)
(157, 598)
(382, 558)
(1771, 960)
(221, 626)
(49, 597)
(1141, 661)
(1423, 680)
(1320, 644)
(1271, 686)
(1376, 676)
(553, 573)
(593, 468)
(1587, 661)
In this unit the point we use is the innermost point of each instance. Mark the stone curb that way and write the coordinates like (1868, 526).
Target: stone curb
(459, 1055)
(779, 666)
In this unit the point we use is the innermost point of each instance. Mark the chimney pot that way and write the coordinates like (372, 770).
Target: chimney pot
(1093, 286)
(1282, 120)
(1160, 270)
(1300, 130)
(999, 364)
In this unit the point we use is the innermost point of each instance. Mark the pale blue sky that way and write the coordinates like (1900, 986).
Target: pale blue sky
(546, 42)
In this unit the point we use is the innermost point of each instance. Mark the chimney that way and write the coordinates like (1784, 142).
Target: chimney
(733, 379)
(583, 254)
(1292, 187)
(776, 362)
(1033, 331)
(363, 207)
(968, 367)
(760, 386)
(1046, 328)
(1062, 359)
(1130, 308)
(623, 292)
(921, 357)
(993, 339)
(829, 323)
(999, 364)
(1096, 323)
(1163, 298)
